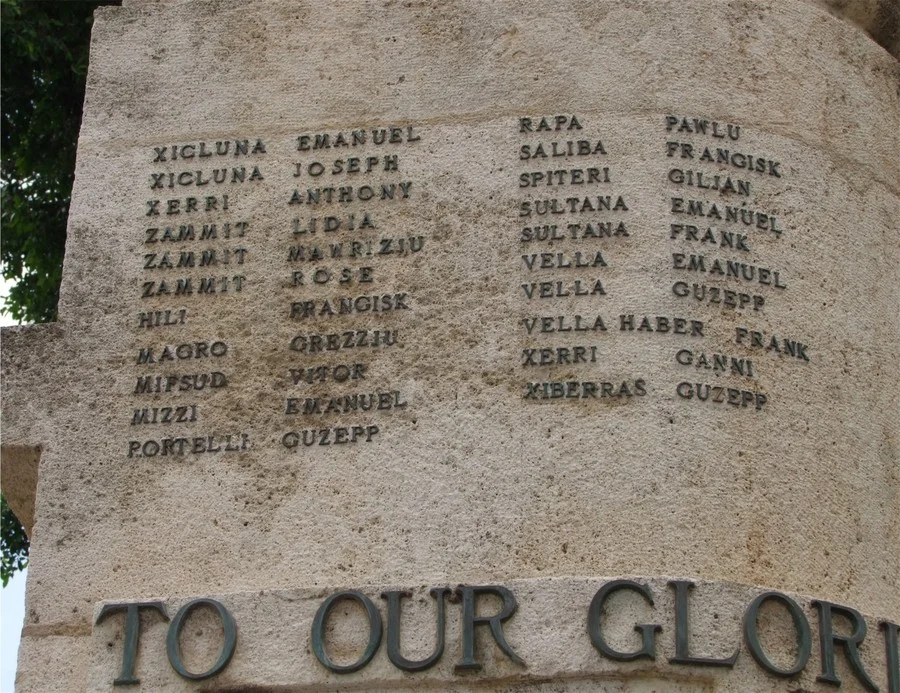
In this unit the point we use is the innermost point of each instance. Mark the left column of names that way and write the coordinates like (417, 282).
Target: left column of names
(193, 248)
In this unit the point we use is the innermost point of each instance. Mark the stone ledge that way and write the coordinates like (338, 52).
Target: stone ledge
(18, 479)
(548, 631)
(27, 352)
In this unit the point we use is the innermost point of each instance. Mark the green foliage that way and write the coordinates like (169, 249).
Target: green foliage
(42, 72)
(13, 543)
(43, 66)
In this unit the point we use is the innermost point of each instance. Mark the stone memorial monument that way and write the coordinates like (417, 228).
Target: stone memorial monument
(471, 345)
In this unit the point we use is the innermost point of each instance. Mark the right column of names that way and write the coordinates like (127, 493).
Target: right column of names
(581, 247)
(716, 225)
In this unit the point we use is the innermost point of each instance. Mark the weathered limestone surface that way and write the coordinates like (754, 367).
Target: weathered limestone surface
(879, 18)
(557, 608)
(489, 461)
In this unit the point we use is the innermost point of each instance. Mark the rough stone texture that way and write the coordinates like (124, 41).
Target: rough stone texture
(549, 632)
(53, 663)
(19, 479)
(471, 482)
(27, 423)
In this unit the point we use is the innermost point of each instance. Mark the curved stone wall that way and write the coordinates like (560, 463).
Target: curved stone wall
(474, 293)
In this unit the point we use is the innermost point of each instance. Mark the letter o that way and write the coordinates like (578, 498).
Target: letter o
(290, 440)
(341, 373)
(321, 276)
(173, 648)
(751, 635)
(218, 349)
(150, 449)
(316, 169)
(318, 629)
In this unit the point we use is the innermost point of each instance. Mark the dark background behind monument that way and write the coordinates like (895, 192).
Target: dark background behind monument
(44, 63)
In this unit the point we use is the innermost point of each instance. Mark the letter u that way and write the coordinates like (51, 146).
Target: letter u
(393, 631)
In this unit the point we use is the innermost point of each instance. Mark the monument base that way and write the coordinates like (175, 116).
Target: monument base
(544, 634)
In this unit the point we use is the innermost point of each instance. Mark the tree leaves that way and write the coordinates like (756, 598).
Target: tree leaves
(43, 66)
(13, 543)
